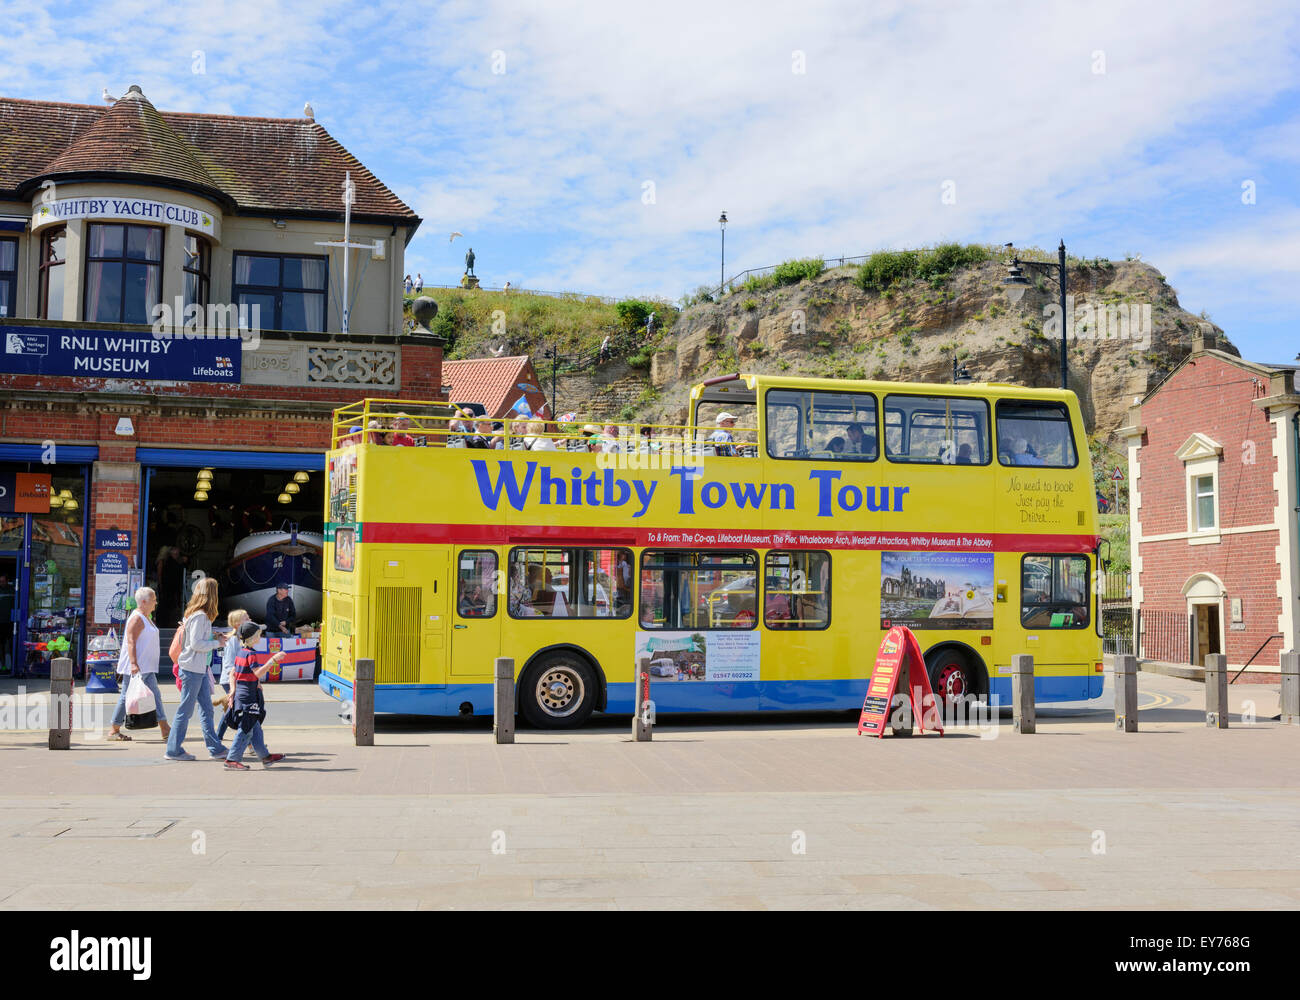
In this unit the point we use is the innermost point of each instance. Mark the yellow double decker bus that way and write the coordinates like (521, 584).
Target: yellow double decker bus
(750, 560)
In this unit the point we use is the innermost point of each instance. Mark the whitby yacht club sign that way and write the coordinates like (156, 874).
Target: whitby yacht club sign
(124, 209)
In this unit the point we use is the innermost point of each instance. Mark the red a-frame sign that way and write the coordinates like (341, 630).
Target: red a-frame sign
(899, 666)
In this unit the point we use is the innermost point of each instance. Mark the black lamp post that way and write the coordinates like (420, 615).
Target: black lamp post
(722, 267)
(1016, 276)
(960, 374)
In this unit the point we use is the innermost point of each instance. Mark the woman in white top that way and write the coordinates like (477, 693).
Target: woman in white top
(139, 656)
(196, 679)
(535, 439)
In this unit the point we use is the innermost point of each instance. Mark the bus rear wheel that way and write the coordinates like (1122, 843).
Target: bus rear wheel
(560, 692)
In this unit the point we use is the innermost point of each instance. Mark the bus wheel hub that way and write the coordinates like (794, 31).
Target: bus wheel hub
(559, 692)
(952, 682)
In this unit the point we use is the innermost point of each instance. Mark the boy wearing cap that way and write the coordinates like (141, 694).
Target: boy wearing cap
(248, 707)
(723, 442)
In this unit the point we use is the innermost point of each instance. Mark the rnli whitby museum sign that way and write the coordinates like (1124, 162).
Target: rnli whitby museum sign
(101, 354)
(124, 210)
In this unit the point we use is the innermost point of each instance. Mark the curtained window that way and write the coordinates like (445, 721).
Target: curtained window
(54, 243)
(123, 273)
(198, 269)
(8, 277)
(289, 290)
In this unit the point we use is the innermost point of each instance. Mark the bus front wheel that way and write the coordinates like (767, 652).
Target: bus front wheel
(951, 677)
(560, 692)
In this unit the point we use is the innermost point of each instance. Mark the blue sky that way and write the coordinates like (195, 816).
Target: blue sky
(835, 128)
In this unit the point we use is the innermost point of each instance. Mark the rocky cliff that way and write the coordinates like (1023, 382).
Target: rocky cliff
(1123, 320)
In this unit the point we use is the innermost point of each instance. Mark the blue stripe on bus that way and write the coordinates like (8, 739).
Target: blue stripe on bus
(694, 696)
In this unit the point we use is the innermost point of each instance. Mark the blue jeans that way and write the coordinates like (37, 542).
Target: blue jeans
(241, 744)
(194, 688)
(151, 682)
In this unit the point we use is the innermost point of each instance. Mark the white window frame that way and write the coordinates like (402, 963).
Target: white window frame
(1201, 457)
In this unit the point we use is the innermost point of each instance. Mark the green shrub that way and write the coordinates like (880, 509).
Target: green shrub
(750, 305)
(632, 313)
(885, 268)
(889, 267)
(791, 272)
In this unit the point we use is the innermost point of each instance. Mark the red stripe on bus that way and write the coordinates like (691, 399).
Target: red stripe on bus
(396, 533)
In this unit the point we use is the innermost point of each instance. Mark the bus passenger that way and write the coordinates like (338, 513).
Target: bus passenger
(401, 432)
(375, 433)
(483, 436)
(1022, 454)
(860, 442)
(835, 445)
(964, 455)
(723, 442)
(535, 438)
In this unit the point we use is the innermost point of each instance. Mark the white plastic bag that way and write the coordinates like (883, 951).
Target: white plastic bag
(139, 699)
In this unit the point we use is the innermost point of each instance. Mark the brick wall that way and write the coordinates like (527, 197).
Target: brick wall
(1215, 398)
(36, 409)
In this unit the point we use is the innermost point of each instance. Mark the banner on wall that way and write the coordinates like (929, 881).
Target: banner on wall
(113, 540)
(122, 210)
(24, 492)
(45, 351)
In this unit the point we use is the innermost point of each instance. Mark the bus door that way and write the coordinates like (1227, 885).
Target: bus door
(476, 622)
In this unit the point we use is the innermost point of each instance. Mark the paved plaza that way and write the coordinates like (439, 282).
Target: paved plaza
(750, 812)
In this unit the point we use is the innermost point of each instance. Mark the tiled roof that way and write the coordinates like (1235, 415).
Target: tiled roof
(494, 382)
(270, 164)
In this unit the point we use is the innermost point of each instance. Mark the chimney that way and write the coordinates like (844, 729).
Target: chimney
(1203, 339)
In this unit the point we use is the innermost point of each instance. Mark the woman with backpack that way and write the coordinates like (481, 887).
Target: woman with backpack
(191, 653)
(139, 657)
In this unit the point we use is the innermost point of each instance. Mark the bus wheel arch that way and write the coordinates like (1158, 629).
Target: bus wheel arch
(553, 679)
(956, 670)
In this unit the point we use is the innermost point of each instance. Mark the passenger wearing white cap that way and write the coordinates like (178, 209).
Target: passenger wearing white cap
(723, 442)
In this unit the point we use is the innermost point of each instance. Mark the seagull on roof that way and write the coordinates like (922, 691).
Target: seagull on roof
(498, 351)
(307, 111)
(108, 98)
(452, 238)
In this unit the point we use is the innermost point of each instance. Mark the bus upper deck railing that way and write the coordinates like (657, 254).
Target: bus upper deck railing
(402, 422)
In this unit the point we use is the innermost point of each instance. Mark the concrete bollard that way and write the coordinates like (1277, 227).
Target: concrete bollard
(1216, 691)
(503, 700)
(61, 704)
(643, 720)
(1126, 693)
(1291, 688)
(363, 704)
(1023, 718)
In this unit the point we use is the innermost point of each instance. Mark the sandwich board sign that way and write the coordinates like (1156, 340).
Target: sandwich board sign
(899, 669)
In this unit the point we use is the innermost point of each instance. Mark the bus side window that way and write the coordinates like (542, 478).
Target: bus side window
(797, 592)
(476, 593)
(1054, 591)
(1035, 433)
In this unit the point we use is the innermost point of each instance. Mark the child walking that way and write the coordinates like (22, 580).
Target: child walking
(248, 707)
(233, 645)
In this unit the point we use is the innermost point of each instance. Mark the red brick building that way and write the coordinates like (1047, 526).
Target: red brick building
(1214, 456)
(172, 327)
(497, 383)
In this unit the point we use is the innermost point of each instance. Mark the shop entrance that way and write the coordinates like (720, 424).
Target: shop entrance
(250, 528)
(9, 563)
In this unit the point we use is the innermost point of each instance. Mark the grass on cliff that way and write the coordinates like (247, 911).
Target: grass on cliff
(472, 320)
(886, 268)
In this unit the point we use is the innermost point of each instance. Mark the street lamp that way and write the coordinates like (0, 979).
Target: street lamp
(1016, 276)
(722, 267)
(553, 352)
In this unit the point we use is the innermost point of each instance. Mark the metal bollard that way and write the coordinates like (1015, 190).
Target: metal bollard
(643, 724)
(363, 704)
(1291, 688)
(1126, 693)
(1022, 693)
(1216, 691)
(61, 704)
(503, 700)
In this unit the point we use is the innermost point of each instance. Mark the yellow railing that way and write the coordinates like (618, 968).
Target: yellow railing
(410, 422)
